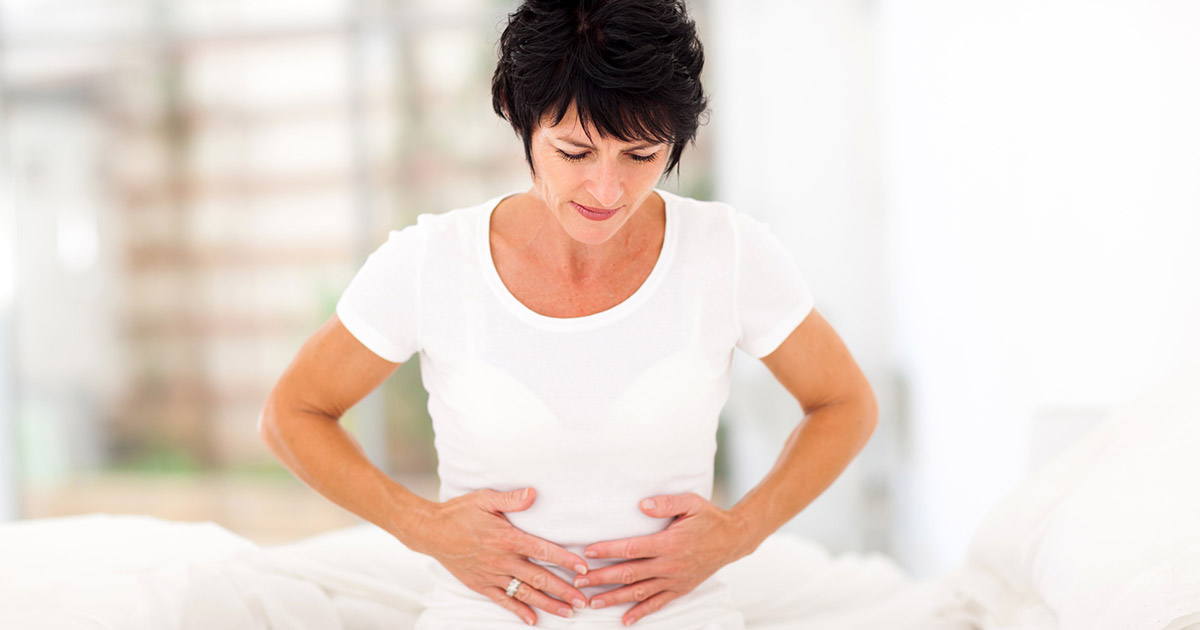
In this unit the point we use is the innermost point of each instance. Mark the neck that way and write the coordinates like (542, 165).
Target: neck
(579, 263)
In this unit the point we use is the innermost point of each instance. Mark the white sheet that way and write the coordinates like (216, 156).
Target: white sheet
(1105, 537)
(102, 571)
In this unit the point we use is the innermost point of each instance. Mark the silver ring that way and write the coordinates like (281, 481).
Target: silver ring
(511, 591)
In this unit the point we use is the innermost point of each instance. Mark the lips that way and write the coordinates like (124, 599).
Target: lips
(595, 214)
(598, 210)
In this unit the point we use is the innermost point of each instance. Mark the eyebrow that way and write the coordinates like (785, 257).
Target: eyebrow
(582, 145)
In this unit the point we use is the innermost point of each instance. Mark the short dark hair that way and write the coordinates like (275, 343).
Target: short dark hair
(631, 67)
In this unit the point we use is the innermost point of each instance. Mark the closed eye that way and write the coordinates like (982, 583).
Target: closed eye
(570, 157)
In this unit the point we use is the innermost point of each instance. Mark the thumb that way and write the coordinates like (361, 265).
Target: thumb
(667, 505)
(511, 501)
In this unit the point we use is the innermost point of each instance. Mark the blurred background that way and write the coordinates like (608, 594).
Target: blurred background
(997, 204)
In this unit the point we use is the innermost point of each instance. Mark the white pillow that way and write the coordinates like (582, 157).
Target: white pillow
(1108, 533)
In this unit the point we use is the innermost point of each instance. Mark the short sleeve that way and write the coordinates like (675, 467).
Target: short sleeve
(381, 306)
(771, 295)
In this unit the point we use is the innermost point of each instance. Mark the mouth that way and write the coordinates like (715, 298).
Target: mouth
(595, 213)
(598, 210)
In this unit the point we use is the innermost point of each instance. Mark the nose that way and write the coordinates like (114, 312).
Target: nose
(605, 183)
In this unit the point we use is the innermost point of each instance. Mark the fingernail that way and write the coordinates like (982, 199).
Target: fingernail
(530, 621)
(598, 603)
(579, 603)
(581, 568)
(525, 495)
(580, 582)
(566, 612)
(590, 554)
(628, 622)
(648, 504)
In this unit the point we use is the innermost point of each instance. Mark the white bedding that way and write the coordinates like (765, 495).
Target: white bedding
(108, 571)
(1105, 537)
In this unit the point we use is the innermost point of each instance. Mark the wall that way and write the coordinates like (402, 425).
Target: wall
(1042, 203)
(996, 204)
(794, 146)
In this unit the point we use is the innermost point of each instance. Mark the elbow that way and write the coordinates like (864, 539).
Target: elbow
(869, 414)
(268, 428)
(262, 426)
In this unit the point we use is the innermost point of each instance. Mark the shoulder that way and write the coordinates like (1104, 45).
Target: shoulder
(697, 208)
(719, 215)
(699, 217)
(712, 222)
(433, 232)
(457, 220)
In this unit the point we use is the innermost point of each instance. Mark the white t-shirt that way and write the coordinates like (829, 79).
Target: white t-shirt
(595, 412)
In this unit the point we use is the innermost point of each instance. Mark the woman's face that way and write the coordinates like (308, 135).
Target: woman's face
(592, 187)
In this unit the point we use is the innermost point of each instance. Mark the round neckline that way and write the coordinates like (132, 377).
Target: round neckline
(643, 292)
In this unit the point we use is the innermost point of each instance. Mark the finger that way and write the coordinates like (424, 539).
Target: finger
(621, 573)
(652, 605)
(636, 592)
(512, 501)
(539, 549)
(668, 505)
(544, 581)
(628, 548)
(535, 597)
(496, 594)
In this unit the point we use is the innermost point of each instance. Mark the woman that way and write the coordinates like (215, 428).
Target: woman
(576, 341)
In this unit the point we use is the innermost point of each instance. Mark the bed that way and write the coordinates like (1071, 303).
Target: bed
(1105, 536)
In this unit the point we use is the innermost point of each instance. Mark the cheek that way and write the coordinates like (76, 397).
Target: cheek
(564, 180)
(650, 175)
(550, 180)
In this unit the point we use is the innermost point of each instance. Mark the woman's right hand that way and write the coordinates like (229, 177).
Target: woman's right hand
(471, 537)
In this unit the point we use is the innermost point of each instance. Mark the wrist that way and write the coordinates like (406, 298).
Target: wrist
(411, 520)
(747, 533)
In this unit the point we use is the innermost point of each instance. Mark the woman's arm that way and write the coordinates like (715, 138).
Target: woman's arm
(469, 534)
(300, 424)
(840, 415)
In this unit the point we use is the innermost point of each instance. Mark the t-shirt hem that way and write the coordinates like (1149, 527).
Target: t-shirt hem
(368, 336)
(770, 342)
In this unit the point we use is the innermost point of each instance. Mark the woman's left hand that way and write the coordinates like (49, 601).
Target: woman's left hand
(670, 563)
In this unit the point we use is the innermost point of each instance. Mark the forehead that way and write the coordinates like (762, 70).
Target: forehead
(572, 130)
(568, 126)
